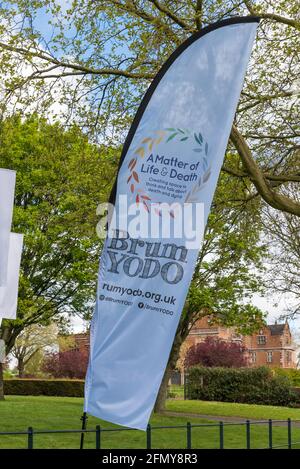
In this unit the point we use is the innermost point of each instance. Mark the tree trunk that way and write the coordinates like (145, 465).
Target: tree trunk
(160, 403)
(9, 335)
(21, 367)
(1, 383)
(174, 355)
(181, 334)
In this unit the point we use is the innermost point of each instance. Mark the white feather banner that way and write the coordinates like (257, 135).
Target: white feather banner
(7, 190)
(9, 292)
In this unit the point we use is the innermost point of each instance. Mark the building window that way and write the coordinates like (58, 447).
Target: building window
(261, 339)
(269, 357)
(253, 357)
(288, 356)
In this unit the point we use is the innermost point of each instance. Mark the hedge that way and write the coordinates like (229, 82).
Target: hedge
(44, 387)
(244, 385)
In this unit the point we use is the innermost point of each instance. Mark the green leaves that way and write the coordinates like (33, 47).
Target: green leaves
(200, 141)
(61, 179)
(171, 136)
(185, 134)
(198, 138)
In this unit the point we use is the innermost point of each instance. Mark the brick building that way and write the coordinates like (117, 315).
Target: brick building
(270, 346)
(203, 328)
(82, 341)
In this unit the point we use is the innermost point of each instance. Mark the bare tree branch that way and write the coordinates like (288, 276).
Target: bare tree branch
(278, 201)
(295, 177)
(171, 15)
(199, 10)
(73, 66)
(133, 9)
(272, 16)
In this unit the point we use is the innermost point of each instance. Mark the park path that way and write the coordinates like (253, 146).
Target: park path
(227, 419)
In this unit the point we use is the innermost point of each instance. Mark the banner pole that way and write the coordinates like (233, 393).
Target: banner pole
(84, 419)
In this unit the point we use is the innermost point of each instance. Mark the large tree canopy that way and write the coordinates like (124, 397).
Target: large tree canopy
(61, 179)
(33, 341)
(95, 59)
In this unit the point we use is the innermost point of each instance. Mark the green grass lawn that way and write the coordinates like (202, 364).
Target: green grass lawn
(231, 409)
(46, 413)
(176, 391)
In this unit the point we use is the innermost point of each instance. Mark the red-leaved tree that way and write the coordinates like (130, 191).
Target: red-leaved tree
(215, 352)
(67, 364)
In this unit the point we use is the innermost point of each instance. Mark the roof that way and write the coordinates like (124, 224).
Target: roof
(276, 329)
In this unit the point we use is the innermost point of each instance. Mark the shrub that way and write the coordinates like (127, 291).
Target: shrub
(66, 364)
(44, 387)
(216, 352)
(244, 385)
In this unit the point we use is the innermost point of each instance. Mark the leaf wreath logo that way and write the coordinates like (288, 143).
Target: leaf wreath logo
(149, 143)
